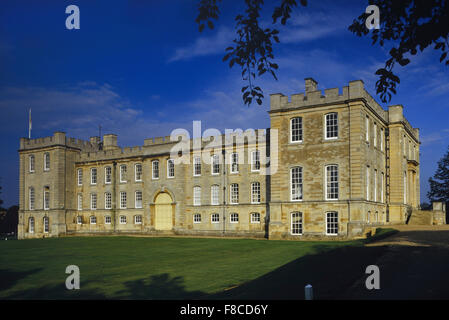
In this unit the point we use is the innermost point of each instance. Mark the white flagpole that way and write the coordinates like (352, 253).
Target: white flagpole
(29, 125)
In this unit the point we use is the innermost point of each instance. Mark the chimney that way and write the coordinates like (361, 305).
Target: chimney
(110, 141)
(95, 140)
(311, 85)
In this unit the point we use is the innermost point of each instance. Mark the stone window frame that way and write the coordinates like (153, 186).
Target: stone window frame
(327, 188)
(170, 168)
(79, 219)
(79, 176)
(234, 193)
(376, 182)
(375, 135)
(46, 198)
(123, 200)
(212, 220)
(196, 165)
(382, 187)
(234, 163)
(296, 225)
(382, 138)
(46, 224)
(93, 201)
(215, 164)
(32, 163)
(234, 218)
(255, 187)
(197, 195)
(106, 175)
(332, 223)
(154, 169)
(108, 200)
(255, 217)
(197, 218)
(367, 121)
(212, 195)
(328, 126)
(300, 184)
(46, 161)
(123, 173)
(92, 175)
(136, 200)
(138, 219)
(299, 129)
(122, 219)
(79, 201)
(137, 173)
(93, 219)
(405, 187)
(31, 225)
(31, 198)
(106, 218)
(254, 162)
(367, 183)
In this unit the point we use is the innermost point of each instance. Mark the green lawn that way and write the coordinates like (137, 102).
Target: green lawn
(147, 268)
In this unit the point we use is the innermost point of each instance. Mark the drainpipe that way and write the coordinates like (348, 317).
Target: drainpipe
(224, 190)
(114, 193)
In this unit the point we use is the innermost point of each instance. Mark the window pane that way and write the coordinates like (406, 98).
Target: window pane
(332, 223)
(197, 166)
(108, 175)
(215, 194)
(296, 183)
(296, 223)
(234, 193)
(215, 164)
(155, 169)
(296, 129)
(170, 168)
(138, 172)
(332, 125)
(255, 160)
(332, 182)
(255, 192)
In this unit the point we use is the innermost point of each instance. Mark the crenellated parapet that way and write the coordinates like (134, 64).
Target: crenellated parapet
(396, 115)
(58, 139)
(118, 153)
(314, 97)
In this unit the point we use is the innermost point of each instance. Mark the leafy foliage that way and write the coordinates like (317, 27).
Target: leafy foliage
(439, 184)
(412, 25)
(253, 47)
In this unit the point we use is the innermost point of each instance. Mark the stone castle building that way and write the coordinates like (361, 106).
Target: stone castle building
(330, 166)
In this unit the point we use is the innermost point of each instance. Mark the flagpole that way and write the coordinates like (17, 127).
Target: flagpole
(29, 125)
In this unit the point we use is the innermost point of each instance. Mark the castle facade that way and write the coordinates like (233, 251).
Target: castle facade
(330, 166)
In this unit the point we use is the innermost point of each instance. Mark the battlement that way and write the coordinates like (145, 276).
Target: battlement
(313, 97)
(157, 141)
(59, 139)
(117, 153)
(396, 114)
(161, 145)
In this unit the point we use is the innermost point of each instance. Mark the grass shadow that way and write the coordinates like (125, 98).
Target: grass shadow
(160, 286)
(9, 278)
(328, 272)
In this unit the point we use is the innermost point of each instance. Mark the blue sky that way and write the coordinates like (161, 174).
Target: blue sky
(141, 69)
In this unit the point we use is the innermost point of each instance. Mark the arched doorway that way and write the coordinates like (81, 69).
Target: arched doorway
(163, 212)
